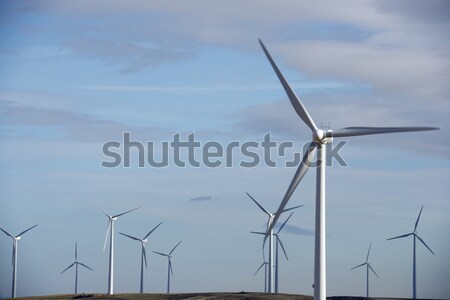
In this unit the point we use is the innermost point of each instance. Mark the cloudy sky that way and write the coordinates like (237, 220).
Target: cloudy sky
(78, 74)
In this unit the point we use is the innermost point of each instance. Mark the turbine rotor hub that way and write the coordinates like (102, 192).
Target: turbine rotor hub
(322, 137)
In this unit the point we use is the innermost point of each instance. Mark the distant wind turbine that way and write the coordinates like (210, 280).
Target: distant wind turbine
(278, 243)
(270, 236)
(415, 235)
(15, 240)
(169, 264)
(110, 231)
(368, 266)
(143, 253)
(265, 265)
(76, 263)
(320, 139)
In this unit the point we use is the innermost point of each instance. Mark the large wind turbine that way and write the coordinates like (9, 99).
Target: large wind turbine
(110, 231)
(277, 244)
(319, 140)
(143, 254)
(368, 266)
(15, 240)
(76, 263)
(415, 235)
(169, 264)
(270, 235)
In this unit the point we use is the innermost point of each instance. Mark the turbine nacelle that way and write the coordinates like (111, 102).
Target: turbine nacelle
(322, 136)
(17, 238)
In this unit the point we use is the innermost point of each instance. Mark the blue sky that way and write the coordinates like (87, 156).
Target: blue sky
(75, 75)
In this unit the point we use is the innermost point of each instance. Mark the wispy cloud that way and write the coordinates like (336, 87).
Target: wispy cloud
(131, 57)
(313, 85)
(71, 125)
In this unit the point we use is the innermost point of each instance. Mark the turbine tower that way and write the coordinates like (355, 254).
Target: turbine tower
(143, 253)
(169, 264)
(15, 240)
(320, 139)
(278, 243)
(270, 235)
(76, 263)
(110, 231)
(368, 266)
(415, 236)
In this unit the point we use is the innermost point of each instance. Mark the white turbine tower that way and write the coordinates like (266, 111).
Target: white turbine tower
(270, 235)
(143, 253)
(368, 266)
(110, 231)
(278, 243)
(169, 264)
(76, 263)
(415, 235)
(320, 139)
(15, 240)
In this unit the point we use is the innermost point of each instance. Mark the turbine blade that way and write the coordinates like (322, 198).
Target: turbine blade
(368, 252)
(284, 223)
(399, 237)
(128, 211)
(174, 248)
(262, 265)
(14, 252)
(257, 232)
(170, 267)
(68, 267)
(301, 171)
(161, 253)
(131, 237)
(282, 247)
(76, 254)
(107, 232)
(6, 233)
(355, 131)
(20, 234)
(152, 231)
(109, 216)
(85, 266)
(144, 254)
(370, 267)
(359, 266)
(423, 242)
(259, 205)
(417, 221)
(295, 100)
(291, 208)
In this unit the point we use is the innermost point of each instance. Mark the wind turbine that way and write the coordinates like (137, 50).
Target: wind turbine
(368, 266)
(110, 231)
(76, 263)
(278, 243)
(415, 235)
(270, 235)
(264, 264)
(15, 240)
(320, 139)
(169, 264)
(143, 253)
